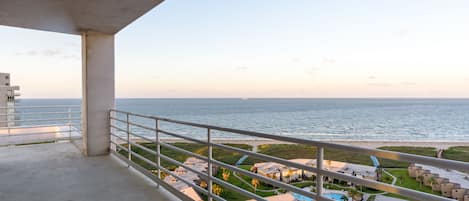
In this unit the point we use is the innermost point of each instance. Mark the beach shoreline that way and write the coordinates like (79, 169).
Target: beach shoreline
(372, 144)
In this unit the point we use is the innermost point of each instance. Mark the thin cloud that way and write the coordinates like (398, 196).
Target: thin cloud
(48, 53)
(74, 57)
(45, 52)
(380, 84)
(51, 52)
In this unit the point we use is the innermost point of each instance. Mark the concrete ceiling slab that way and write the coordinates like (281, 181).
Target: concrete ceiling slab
(73, 16)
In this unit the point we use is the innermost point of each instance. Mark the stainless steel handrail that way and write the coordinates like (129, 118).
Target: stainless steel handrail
(35, 113)
(450, 164)
(43, 106)
(63, 117)
(319, 171)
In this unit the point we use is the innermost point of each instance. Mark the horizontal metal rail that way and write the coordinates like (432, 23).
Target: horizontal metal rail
(42, 140)
(152, 176)
(35, 133)
(39, 120)
(206, 177)
(117, 136)
(35, 113)
(266, 179)
(202, 175)
(183, 151)
(120, 146)
(443, 163)
(30, 121)
(149, 162)
(41, 107)
(182, 136)
(39, 126)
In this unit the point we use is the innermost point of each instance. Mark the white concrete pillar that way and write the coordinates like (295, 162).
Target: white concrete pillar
(98, 91)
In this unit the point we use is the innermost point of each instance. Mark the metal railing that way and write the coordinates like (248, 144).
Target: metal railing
(124, 139)
(37, 124)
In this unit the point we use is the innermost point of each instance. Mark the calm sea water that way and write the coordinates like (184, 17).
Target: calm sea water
(339, 119)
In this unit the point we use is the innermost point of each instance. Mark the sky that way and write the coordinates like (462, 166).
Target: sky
(260, 48)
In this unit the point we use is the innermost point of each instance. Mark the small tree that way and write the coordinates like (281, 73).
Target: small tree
(216, 189)
(226, 175)
(203, 184)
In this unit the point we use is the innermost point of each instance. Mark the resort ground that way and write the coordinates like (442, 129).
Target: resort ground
(397, 170)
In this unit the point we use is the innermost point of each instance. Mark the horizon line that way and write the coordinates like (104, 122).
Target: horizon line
(261, 98)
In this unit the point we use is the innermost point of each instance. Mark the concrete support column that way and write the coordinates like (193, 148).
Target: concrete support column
(98, 91)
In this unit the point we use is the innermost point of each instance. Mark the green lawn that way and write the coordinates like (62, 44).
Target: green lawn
(423, 151)
(460, 153)
(405, 181)
(292, 151)
(232, 195)
(218, 154)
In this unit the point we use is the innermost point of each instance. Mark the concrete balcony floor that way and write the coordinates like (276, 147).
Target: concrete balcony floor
(59, 172)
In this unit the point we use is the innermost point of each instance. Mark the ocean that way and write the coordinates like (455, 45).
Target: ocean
(315, 119)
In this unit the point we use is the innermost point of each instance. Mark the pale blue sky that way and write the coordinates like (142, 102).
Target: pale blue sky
(256, 48)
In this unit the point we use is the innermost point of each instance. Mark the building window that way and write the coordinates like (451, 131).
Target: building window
(7, 77)
(7, 84)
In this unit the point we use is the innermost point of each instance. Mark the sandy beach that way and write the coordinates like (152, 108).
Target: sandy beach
(359, 143)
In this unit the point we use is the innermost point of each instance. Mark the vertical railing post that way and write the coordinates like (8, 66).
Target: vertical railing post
(111, 131)
(70, 124)
(129, 146)
(209, 165)
(319, 176)
(7, 117)
(158, 151)
(9, 133)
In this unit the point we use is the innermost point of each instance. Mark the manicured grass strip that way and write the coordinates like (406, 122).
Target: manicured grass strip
(294, 151)
(405, 181)
(422, 151)
(460, 153)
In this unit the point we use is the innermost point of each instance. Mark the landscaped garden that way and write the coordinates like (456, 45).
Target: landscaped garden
(293, 151)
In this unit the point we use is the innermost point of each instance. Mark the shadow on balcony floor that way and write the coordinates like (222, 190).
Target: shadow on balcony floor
(58, 172)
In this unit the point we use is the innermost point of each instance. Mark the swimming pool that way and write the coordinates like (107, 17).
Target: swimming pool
(334, 196)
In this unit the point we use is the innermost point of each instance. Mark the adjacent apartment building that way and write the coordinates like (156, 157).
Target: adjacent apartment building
(7, 101)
